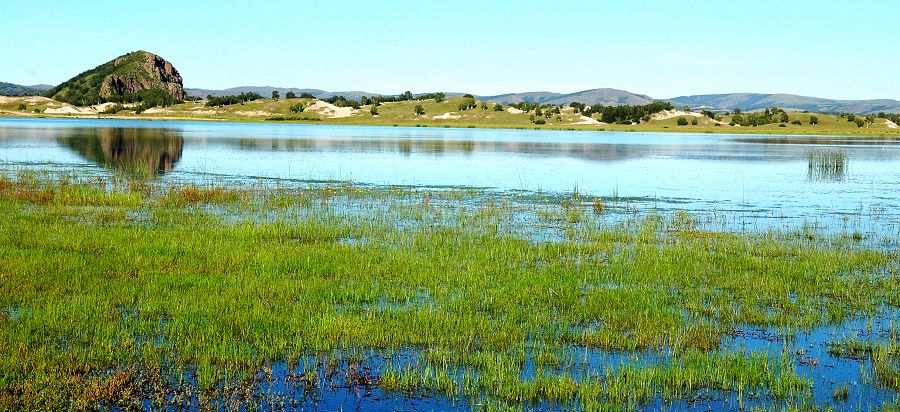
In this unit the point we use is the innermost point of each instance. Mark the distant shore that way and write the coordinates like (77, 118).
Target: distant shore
(443, 114)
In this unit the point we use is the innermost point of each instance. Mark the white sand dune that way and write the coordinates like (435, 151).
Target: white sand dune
(330, 110)
(69, 109)
(446, 116)
(890, 124)
(513, 110)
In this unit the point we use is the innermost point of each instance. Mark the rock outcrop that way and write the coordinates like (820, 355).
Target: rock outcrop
(157, 73)
(123, 79)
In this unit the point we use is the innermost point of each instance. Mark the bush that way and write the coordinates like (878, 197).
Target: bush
(540, 121)
(797, 122)
(694, 121)
(290, 95)
(22, 107)
(498, 107)
(813, 120)
(297, 108)
(860, 123)
(374, 110)
(229, 100)
(306, 95)
(682, 121)
(419, 110)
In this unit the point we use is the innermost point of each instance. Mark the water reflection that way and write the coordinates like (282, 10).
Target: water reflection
(138, 153)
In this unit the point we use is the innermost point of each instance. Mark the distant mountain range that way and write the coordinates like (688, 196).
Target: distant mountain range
(603, 96)
(607, 96)
(9, 89)
(751, 101)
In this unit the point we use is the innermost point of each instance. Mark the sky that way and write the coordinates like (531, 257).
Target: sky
(660, 48)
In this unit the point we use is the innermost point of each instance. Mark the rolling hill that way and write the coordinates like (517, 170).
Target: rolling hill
(752, 101)
(604, 96)
(10, 89)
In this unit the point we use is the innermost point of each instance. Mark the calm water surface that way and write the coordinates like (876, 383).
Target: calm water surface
(825, 179)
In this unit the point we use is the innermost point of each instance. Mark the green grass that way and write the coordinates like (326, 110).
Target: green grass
(115, 290)
(403, 114)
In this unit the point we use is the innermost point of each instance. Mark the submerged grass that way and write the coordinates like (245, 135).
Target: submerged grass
(113, 293)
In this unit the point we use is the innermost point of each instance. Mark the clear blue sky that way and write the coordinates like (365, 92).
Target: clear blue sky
(660, 48)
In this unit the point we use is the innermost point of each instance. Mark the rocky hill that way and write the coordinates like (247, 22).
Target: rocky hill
(136, 76)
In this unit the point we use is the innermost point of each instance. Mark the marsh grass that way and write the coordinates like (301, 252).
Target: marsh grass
(183, 294)
(827, 165)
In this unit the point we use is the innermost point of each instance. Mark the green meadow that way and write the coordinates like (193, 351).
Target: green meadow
(130, 294)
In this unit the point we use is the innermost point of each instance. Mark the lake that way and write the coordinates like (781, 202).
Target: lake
(835, 181)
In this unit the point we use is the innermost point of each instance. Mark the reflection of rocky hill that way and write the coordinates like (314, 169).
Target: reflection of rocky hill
(144, 153)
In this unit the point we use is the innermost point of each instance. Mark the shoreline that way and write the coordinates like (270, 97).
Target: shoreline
(5, 114)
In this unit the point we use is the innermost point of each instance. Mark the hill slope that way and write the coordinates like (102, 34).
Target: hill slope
(10, 89)
(136, 76)
(751, 101)
(266, 91)
(603, 96)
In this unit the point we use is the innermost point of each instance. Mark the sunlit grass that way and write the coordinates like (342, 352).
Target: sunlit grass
(112, 291)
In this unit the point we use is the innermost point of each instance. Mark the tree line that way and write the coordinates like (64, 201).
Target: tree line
(232, 99)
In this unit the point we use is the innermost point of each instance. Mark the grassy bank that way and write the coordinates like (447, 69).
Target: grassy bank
(447, 114)
(135, 294)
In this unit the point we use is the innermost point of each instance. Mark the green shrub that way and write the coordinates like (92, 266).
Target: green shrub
(682, 121)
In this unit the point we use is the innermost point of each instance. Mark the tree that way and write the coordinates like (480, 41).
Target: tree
(484, 106)
(275, 95)
(407, 95)
(297, 108)
(694, 121)
(439, 97)
(682, 121)
(784, 117)
(468, 96)
(419, 110)
(290, 95)
(22, 107)
(813, 120)
(498, 107)
(374, 110)
(306, 95)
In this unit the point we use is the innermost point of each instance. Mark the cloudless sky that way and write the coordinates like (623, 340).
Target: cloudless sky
(661, 48)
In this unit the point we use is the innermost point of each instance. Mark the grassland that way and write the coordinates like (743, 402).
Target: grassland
(132, 294)
(403, 114)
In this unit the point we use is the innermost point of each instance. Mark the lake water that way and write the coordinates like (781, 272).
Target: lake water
(794, 178)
